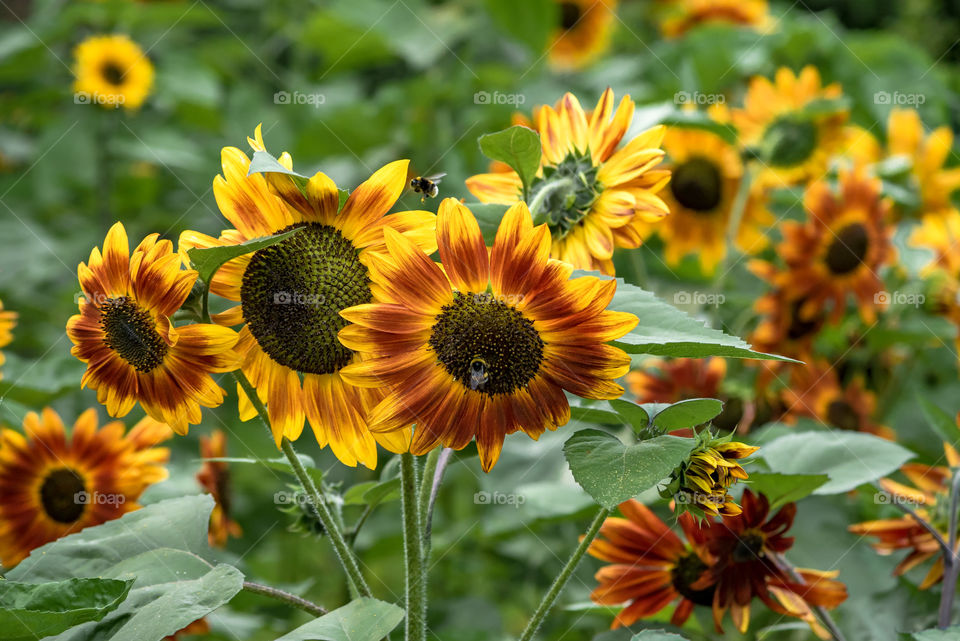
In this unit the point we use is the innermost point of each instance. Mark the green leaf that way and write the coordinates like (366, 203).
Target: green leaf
(530, 21)
(688, 413)
(785, 488)
(372, 492)
(208, 261)
(518, 147)
(849, 459)
(363, 619)
(264, 163)
(933, 634)
(636, 416)
(942, 423)
(657, 635)
(612, 472)
(37, 610)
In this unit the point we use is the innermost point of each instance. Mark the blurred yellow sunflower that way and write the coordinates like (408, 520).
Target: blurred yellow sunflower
(487, 344)
(684, 15)
(112, 71)
(613, 193)
(291, 293)
(940, 233)
(132, 350)
(794, 142)
(214, 477)
(53, 486)
(928, 154)
(8, 320)
(582, 34)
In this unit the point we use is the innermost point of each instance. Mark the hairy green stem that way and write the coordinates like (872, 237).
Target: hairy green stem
(425, 491)
(550, 598)
(416, 582)
(286, 597)
(545, 192)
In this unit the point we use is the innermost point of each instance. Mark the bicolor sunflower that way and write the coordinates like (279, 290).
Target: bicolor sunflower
(930, 497)
(214, 477)
(651, 566)
(701, 483)
(815, 391)
(112, 71)
(582, 33)
(794, 143)
(837, 251)
(54, 484)
(487, 344)
(747, 549)
(8, 320)
(787, 326)
(125, 336)
(291, 293)
(592, 195)
(677, 379)
(928, 154)
(684, 15)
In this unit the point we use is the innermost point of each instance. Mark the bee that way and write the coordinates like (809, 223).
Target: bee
(479, 374)
(426, 185)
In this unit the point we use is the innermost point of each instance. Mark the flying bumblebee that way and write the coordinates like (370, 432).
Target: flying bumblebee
(479, 374)
(426, 185)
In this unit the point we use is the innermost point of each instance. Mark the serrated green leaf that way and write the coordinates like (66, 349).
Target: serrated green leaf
(37, 610)
(208, 260)
(785, 488)
(518, 147)
(634, 415)
(264, 163)
(687, 413)
(612, 472)
(363, 619)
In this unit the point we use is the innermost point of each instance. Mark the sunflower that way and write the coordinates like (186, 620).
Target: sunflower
(701, 483)
(487, 344)
(677, 379)
(214, 477)
(53, 486)
(610, 194)
(746, 548)
(795, 143)
(8, 320)
(132, 350)
(651, 567)
(940, 233)
(687, 14)
(840, 248)
(291, 293)
(928, 154)
(112, 71)
(582, 34)
(815, 391)
(930, 497)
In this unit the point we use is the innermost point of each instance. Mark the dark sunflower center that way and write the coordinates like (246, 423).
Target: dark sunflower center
(292, 294)
(749, 546)
(486, 344)
(842, 415)
(848, 249)
(60, 495)
(789, 141)
(113, 73)
(570, 14)
(566, 193)
(697, 184)
(685, 573)
(131, 332)
(801, 327)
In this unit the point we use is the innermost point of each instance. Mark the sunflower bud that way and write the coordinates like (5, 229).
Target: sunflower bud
(699, 485)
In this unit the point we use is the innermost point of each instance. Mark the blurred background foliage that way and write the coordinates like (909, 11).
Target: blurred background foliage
(398, 80)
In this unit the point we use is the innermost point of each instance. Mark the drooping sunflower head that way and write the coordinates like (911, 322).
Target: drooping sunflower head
(132, 350)
(112, 71)
(700, 484)
(582, 33)
(487, 344)
(290, 294)
(928, 154)
(684, 15)
(8, 320)
(214, 478)
(54, 484)
(593, 194)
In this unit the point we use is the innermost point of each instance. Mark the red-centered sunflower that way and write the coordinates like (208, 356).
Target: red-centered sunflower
(651, 567)
(214, 477)
(930, 498)
(795, 143)
(929, 154)
(611, 194)
(677, 379)
(487, 344)
(53, 485)
(815, 391)
(746, 548)
(291, 293)
(839, 250)
(8, 320)
(132, 350)
(684, 15)
(582, 34)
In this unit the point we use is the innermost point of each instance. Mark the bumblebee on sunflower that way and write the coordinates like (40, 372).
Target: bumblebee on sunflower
(582, 33)
(610, 192)
(112, 71)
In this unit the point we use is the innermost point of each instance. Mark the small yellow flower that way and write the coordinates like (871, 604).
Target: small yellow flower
(700, 484)
(112, 71)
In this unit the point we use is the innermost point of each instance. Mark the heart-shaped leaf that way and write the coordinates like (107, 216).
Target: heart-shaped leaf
(518, 147)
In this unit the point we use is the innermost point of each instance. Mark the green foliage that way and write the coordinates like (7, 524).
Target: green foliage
(518, 147)
(37, 610)
(208, 260)
(360, 620)
(785, 488)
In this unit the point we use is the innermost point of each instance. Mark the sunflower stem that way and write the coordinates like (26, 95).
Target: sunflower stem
(444, 460)
(426, 490)
(550, 598)
(951, 563)
(416, 580)
(545, 192)
(286, 597)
